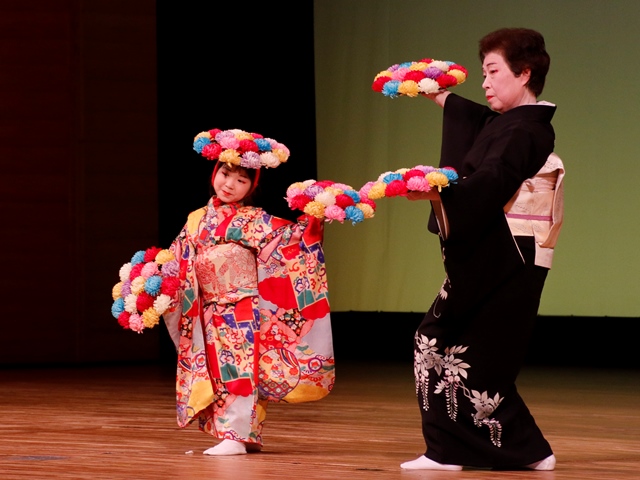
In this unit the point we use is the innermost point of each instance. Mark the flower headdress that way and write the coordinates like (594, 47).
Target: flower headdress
(147, 286)
(237, 147)
(423, 77)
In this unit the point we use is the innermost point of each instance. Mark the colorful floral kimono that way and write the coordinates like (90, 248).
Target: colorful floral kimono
(254, 324)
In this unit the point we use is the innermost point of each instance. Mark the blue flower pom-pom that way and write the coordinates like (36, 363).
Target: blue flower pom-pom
(200, 143)
(152, 285)
(117, 308)
(138, 257)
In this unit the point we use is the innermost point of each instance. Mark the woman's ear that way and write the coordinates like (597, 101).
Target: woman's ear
(525, 76)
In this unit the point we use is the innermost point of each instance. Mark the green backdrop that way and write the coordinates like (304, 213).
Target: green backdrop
(391, 263)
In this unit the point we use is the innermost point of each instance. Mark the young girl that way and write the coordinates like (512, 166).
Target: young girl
(252, 323)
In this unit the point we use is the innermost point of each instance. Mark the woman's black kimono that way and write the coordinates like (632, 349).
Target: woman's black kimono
(471, 344)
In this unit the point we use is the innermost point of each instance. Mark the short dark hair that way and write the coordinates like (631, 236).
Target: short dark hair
(522, 48)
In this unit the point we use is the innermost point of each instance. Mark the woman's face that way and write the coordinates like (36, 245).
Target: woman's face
(503, 89)
(231, 185)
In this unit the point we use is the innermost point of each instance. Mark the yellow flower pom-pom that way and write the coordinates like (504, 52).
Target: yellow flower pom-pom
(150, 318)
(230, 156)
(315, 209)
(377, 190)
(458, 74)
(333, 190)
(408, 88)
(116, 291)
(241, 135)
(164, 256)
(384, 73)
(419, 66)
(367, 210)
(202, 135)
(281, 154)
(137, 285)
(437, 179)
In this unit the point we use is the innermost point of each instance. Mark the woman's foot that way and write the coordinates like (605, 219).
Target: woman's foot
(548, 463)
(227, 447)
(424, 463)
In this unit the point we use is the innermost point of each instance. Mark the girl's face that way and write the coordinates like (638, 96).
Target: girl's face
(503, 89)
(231, 185)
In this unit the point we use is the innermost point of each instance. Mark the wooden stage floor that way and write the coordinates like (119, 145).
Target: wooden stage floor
(119, 423)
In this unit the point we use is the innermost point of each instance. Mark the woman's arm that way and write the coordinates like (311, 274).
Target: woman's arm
(439, 97)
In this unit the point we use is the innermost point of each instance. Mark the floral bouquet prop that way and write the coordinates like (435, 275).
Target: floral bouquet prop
(147, 286)
(423, 77)
(420, 178)
(330, 201)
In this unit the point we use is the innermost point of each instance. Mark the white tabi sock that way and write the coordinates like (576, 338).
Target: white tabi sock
(227, 447)
(424, 463)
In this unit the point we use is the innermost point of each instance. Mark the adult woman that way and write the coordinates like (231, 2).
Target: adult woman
(252, 324)
(498, 226)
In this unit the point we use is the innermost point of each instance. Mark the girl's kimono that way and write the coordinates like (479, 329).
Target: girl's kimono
(253, 324)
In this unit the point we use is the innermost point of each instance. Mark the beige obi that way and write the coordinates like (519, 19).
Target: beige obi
(226, 273)
(537, 209)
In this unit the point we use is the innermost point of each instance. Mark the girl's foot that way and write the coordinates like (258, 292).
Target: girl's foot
(424, 463)
(548, 463)
(227, 447)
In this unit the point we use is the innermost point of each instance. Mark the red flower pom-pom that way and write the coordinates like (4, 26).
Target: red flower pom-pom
(123, 319)
(414, 172)
(170, 286)
(299, 201)
(343, 201)
(150, 254)
(247, 145)
(214, 132)
(144, 301)
(379, 82)
(459, 67)
(369, 202)
(324, 183)
(211, 151)
(135, 271)
(395, 188)
(426, 60)
(447, 80)
(256, 135)
(415, 75)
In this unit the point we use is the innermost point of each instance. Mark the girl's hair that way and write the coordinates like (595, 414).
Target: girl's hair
(252, 173)
(522, 48)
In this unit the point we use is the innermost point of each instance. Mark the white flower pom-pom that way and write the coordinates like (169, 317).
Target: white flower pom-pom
(326, 198)
(130, 303)
(125, 271)
(428, 85)
(161, 303)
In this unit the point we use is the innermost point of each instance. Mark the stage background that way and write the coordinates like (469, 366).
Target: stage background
(100, 101)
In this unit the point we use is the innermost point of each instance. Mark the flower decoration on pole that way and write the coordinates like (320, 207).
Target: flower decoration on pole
(415, 78)
(237, 147)
(147, 287)
(420, 178)
(330, 201)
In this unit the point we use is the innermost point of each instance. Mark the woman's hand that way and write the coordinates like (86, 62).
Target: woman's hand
(430, 195)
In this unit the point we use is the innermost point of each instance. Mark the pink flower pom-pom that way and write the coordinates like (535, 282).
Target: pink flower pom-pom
(399, 74)
(150, 269)
(418, 184)
(295, 189)
(396, 188)
(364, 190)
(135, 323)
(229, 142)
(334, 212)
